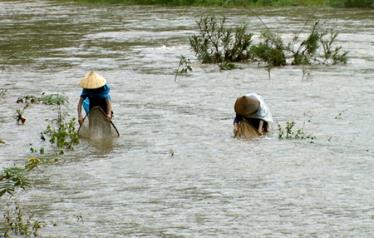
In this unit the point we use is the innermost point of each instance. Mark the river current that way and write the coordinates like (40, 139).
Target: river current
(176, 170)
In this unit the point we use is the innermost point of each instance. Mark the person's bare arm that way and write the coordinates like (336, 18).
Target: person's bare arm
(260, 128)
(109, 109)
(79, 111)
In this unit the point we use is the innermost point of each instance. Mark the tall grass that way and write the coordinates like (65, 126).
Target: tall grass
(234, 3)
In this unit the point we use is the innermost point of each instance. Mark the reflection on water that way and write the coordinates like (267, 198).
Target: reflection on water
(213, 185)
(103, 146)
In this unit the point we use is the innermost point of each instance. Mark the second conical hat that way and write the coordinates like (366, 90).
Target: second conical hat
(92, 80)
(246, 106)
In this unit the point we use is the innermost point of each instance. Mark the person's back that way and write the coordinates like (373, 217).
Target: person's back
(95, 93)
(252, 116)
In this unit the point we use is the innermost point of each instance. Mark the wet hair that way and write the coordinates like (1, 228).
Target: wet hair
(251, 121)
(245, 131)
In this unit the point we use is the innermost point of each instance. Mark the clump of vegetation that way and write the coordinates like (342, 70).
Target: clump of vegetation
(62, 133)
(351, 3)
(11, 178)
(243, 3)
(227, 66)
(28, 99)
(216, 43)
(290, 132)
(19, 115)
(339, 116)
(17, 223)
(183, 67)
(270, 50)
(318, 48)
(49, 99)
(16, 176)
(3, 92)
(53, 99)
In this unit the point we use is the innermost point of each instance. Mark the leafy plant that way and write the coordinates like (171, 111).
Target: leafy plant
(19, 114)
(11, 178)
(227, 66)
(289, 132)
(3, 91)
(28, 99)
(53, 99)
(62, 133)
(331, 53)
(308, 51)
(49, 99)
(183, 66)
(16, 222)
(216, 43)
(32, 162)
(270, 50)
(16, 176)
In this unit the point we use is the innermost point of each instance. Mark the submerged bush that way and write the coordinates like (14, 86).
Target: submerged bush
(11, 178)
(289, 132)
(216, 43)
(62, 133)
(183, 66)
(319, 47)
(270, 50)
(16, 222)
(48, 99)
(220, 45)
(3, 91)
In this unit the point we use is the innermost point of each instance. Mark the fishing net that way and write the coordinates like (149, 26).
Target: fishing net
(96, 126)
(246, 131)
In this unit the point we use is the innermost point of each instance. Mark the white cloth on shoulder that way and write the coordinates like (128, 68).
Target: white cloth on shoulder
(263, 112)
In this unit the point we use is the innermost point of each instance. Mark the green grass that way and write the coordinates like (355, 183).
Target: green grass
(237, 3)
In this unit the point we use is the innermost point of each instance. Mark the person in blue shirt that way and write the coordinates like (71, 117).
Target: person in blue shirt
(95, 93)
(253, 116)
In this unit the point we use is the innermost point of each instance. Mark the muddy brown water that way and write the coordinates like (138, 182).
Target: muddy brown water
(213, 185)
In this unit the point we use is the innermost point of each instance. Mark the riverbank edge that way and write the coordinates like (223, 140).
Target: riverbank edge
(228, 4)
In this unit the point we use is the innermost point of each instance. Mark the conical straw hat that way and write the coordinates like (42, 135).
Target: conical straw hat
(245, 106)
(92, 80)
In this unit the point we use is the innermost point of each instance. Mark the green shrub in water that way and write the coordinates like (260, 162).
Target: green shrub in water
(289, 132)
(227, 66)
(16, 176)
(53, 99)
(49, 99)
(62, 133)
(3, 92)
(318, 47)
(11, 178)
(183, 66)
(16, 223)
(216, 43)
(270, 50)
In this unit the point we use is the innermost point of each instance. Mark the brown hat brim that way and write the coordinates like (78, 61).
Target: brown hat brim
(246, 106)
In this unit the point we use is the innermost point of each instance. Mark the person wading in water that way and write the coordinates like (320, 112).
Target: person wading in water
(252, 116)
(95, 93)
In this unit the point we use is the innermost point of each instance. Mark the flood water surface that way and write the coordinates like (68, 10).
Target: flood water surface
(176, 171)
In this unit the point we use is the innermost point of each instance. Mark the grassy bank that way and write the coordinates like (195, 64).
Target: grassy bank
(246, 3)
